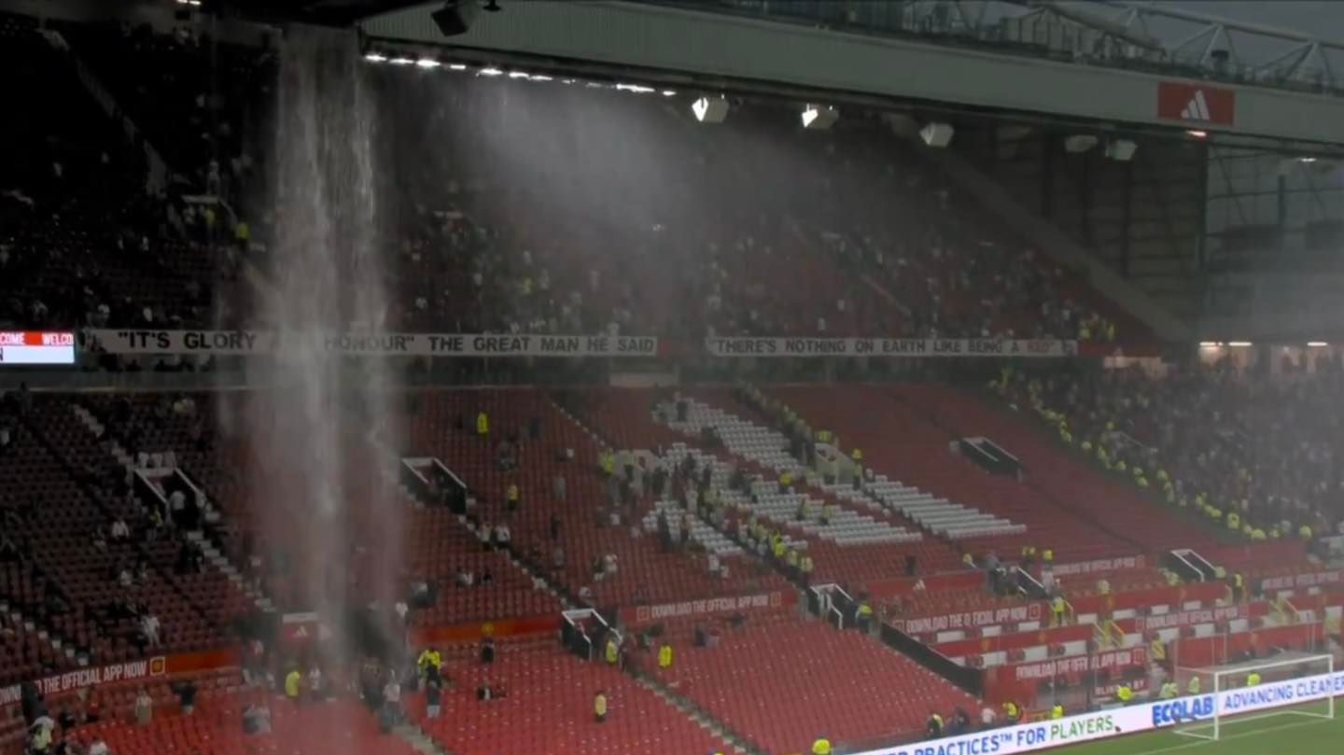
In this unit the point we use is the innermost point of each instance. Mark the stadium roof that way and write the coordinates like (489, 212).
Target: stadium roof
(322, 12)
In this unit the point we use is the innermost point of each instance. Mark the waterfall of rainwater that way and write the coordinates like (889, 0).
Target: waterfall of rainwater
(332, 525)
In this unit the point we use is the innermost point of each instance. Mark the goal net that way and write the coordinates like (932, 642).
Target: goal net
(1210, 700)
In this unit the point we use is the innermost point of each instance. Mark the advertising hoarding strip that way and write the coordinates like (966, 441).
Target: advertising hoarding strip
(1134, 719)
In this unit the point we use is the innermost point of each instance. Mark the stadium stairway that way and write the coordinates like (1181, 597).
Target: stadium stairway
(197, 608)
(438, 542)
(213, 555)
(74, 571)
(26, 646)
(441, 532)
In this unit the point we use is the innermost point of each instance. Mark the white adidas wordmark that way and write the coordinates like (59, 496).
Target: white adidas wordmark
(1197, 109)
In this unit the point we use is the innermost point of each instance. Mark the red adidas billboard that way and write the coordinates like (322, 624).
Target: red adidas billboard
(1196, 104)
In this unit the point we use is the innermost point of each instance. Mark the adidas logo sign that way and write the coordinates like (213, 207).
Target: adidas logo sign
(1197, 109)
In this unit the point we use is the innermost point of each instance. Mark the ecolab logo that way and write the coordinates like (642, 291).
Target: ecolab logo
(1186, 709)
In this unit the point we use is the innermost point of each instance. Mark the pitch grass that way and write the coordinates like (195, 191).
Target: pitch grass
(1280, 732)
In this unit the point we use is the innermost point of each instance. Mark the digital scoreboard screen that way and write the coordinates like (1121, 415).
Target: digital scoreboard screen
(36, 347)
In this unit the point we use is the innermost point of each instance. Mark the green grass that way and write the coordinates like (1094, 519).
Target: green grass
(1284, 732)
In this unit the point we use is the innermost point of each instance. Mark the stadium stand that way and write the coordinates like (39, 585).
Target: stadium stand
(439, 548)
(545, 703)
(216, 723)
(860, 690)
(822, 559)
(531, 444)
(1212, 438)
(91, 242)
(842, 550)
(200, 100)
(1077, 526)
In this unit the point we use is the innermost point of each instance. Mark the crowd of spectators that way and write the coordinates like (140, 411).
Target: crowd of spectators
(1253, 452)
(783, 232)
(755, 228)
(85, 233)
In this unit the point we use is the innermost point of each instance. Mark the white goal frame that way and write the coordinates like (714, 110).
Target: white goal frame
(1232, 678)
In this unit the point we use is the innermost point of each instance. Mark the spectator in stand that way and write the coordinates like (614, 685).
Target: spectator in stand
(433, 697)
(933, 727)
(465, 578)
(40, 735)
(254, 663)
(512, 498)
(294, 685)
(317, 691)
(600, 706)
(9, 552)
(488, 651)
(503, 537)
(256, 719)
(186, 696)
(144, 707)
(149, 628)
(189, 560)
(392, 699)
(1189, 435)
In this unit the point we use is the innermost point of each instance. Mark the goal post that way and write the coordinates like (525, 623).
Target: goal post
(1214, 698)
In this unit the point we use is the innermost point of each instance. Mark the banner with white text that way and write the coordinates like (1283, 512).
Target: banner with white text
(1295, 581)
(1070, 730)
(248, 342)
(134, 671)
(918, 625)
(890, 347)
(1098, 565)
(708, 607)
(1212, 615)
